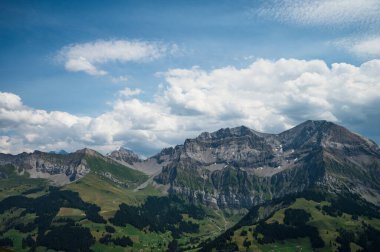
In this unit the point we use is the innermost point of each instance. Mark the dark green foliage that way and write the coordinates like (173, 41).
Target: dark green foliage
(221, 242)
(7, 171)
(276, 231)
(243, 233)
(33, 190)
(106, 239)
(110, 229)
(229, 247)
(246, 243)
(313, 195)
(173, 246)
(6, 242)
(188, 227)
(120, 241)
(92, 213)
(123, 241)
(296, 217)
(344, 239)
(368, 239)
(67, 238)
(25, 228)
(28, 242)
(47, 206)
(351, 204)
(159, 214)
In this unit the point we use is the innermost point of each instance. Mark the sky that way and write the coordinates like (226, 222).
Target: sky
(148, 74)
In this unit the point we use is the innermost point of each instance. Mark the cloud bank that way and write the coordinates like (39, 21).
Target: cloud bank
(266, 95)
(89, 57)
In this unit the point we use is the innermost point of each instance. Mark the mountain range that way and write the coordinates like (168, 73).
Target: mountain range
(227, 190)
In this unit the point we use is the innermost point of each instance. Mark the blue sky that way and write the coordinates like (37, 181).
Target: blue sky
(133, 73)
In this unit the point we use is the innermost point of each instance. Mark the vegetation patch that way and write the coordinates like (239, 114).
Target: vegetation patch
(160, 214)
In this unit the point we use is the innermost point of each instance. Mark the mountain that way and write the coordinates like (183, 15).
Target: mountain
(125, 155)
(239, 167)
(62, 169)
(62, 152)
(313, 187)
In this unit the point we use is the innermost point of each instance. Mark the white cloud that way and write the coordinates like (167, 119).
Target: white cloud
(366, 47)
(267, 95)
(322, 12)
(130, 92)
(9, 101)
(88, 57)
(81, 64)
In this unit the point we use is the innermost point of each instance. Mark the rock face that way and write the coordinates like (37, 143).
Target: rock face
(239, 167)
(58, 168)
(125, 155)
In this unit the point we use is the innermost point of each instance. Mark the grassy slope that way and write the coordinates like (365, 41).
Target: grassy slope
(326, 225)
(117, 170)
(101, 191)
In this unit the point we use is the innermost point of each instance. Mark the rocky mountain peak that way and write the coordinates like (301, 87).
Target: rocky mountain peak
(228, 133)
(125, 155)
(311, 134)
(89, 152)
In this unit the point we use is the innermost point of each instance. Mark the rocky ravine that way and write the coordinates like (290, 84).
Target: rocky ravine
(239, 167)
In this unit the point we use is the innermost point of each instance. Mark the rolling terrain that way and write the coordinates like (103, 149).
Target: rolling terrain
(313, 187)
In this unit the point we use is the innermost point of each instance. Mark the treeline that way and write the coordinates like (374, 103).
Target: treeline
(159, 214)
(351, 204)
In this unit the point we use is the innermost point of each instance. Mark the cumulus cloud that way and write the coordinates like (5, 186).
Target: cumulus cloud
(88, 57)
(266, 95)
(322, 12)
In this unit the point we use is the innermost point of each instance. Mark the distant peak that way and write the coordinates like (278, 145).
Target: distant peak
(125, 154)
(88, 151)
(61, 152)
